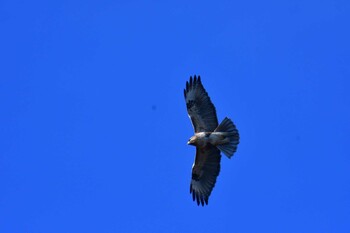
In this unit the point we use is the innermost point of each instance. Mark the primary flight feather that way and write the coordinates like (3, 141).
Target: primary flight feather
(210, 138)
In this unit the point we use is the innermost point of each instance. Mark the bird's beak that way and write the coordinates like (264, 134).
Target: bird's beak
(190, 142)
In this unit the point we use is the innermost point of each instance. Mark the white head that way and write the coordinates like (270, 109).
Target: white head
(192, 140)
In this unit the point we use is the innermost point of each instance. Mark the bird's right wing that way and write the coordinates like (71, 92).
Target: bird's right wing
(205, 170)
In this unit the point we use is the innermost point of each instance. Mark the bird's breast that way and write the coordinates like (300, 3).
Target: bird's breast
(202, 139)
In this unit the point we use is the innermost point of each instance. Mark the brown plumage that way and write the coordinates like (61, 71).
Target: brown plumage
(210, 138)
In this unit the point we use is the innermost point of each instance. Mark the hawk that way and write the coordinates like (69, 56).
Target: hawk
(210, 139)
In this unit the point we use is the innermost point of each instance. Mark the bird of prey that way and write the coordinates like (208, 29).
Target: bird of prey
(210, 139)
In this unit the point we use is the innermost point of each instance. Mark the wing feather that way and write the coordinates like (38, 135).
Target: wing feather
(205, 170)
(199, 106)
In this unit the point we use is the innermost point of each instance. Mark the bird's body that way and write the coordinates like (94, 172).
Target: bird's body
(210, 138)
(214, 138)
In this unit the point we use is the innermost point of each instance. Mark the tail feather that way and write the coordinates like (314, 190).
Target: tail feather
(230, 131)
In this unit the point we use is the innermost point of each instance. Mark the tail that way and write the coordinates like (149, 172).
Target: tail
(230, 131)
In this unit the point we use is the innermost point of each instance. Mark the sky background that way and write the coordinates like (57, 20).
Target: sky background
(93, 123)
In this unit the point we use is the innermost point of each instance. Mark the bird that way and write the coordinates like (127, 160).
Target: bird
(210, 139)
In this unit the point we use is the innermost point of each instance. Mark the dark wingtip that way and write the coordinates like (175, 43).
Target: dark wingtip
(193, 82)
(202, 200)
(193, 193)
(198, 198)
(197, 80)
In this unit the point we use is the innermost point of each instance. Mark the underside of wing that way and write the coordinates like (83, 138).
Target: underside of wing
(199, 106)
(205, 170)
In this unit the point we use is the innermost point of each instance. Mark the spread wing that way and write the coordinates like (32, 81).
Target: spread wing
(199, 106)
(205, 170)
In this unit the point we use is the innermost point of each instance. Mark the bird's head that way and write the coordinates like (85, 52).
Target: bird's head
(192, 141)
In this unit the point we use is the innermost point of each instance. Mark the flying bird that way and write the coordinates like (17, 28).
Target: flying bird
(210, 139)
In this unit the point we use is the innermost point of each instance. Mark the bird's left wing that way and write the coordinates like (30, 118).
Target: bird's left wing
(199, 106)
(205, 170)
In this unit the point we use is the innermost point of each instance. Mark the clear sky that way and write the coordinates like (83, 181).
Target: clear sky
(94, 125)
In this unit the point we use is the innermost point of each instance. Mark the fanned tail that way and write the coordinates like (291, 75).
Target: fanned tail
(229, 130)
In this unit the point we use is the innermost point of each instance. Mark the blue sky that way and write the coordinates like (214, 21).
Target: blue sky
(94, 125)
